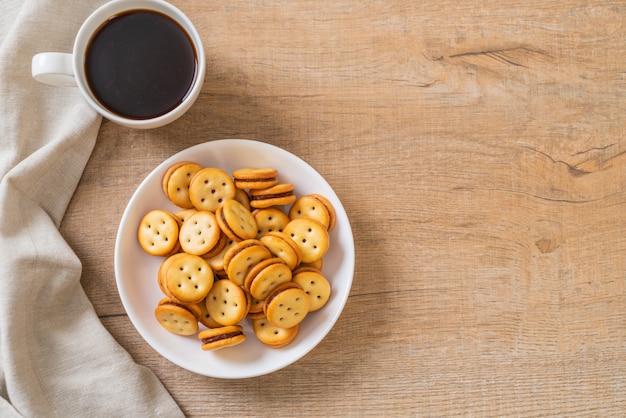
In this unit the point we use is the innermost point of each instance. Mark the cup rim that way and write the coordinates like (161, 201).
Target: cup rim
(100, 16)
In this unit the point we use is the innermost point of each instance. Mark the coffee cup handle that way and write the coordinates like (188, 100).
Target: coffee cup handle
(53, 68)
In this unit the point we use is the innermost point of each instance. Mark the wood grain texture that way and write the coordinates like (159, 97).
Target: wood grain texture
(478, 148)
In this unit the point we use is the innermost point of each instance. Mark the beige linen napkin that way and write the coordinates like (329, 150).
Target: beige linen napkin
(56, 358)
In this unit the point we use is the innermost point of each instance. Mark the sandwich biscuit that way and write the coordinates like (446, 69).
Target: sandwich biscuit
(240, 258)
(242, 197)
(188, 278)
(283, 247)
(217, 338)
(265, 276)
(329, 207)
(210, 188)
(205, 318)
(177, 188)
(184, 214)
(281, 194)
(227, 303)
(177, 318)
(316, 286)
(168, 173)
(158, 233)
(269, 220)
(199, 233)
(236, 221)
(310, 236)
(255, 178)
(255, 311)
(273, 336)
(310, 207)
(287, 305)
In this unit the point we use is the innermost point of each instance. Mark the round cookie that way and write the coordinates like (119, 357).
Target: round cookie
(168, 173)
(184, 214)
(314, 284)
(217, 248)
(220, 275)
(244, 260)
(236, 248)
(281, 194)
(316, 265)
(217, 338)
(310, 236)
(283, 247)
(310, 207)
(329, 207)
(255, 178)
(287, 305)
(210, 188)
(273, 336)
(241, 256)
(242, 197)
(227, 303)
(161, 273)
(176, 318)
(178, 184)
(199, 233)
(158, 233)
(217, 261)
(204, 318)
(270, 219)
(195, 309)
(236, 221)
(255, 309)
(189, 278)
(265, 276)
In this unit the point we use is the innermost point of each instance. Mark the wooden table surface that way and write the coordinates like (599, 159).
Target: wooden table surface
(478, 148)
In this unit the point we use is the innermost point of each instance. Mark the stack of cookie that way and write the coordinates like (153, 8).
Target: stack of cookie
(232, 253)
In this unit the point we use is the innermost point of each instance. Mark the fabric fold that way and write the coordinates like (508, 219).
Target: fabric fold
(56, 357)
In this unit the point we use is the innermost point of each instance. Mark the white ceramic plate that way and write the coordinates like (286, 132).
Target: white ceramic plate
(136, 271)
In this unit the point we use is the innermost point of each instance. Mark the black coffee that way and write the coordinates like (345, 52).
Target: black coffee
(140, 64)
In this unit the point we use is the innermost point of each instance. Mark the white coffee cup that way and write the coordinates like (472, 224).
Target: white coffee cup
(63, 69)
